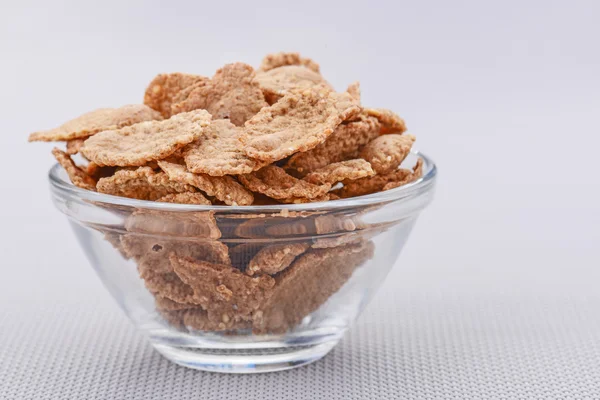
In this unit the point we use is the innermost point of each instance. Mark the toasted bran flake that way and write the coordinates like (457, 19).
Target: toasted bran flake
(74, 146)
(337, 172)
(198, 319)
(387, 152)
(273, 259)
(164, 87)
(218, 151)
(78, 176)
(354, 90)
(278, 82)
(288, 229)
(272, 226)
(302, 200)
(390, 121)
(216, 285)
(251, 228)
(416, 174)
(334, 223)
(343, 144)
(230, 94)
(297, 122)
(197, 224)
(141, 183)
(224, 188)
(377, 183)
(152, 255)
(281, 59)
(154, 251)
(186, 198)
(154, 140)
(307, 283)
(165, 304)
(167, 285)
(97, 121)
(274, 182)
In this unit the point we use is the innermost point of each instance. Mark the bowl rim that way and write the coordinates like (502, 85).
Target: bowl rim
(408, 191)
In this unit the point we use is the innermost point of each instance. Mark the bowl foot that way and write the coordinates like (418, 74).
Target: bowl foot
(245, 361)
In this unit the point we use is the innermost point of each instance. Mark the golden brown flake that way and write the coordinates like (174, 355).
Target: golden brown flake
(154, 140)
(275, 258)
(218, 151)
(231, 94)
(167, 285)
(200, 224)
(337, 172)
(78, 176)
(153, 252)
(271, 225)
(278, 82)
(97, 121)
(222, 287)
(274, 182)
(224, 188)
(390, 121)
(186, 198)
(302, 200)
(301, 288)
(354, 90)
(141, 183)
(164, 87)
(166, 304)
(343, 144)
(198, 319)
(387, 152)
(417, 172)
(183, 94)
(194, 318)
(333, 223)
(252, 228)
(377, 183)
(74, 146)
(281, 59)
(298, 122)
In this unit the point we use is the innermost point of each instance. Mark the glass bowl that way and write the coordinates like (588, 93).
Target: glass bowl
(243, 289)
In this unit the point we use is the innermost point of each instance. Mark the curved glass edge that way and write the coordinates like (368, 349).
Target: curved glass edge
(410, 190)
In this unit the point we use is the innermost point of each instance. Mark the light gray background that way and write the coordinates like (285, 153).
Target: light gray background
(496, 294)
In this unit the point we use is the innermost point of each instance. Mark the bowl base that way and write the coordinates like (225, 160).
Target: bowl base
(246, 361)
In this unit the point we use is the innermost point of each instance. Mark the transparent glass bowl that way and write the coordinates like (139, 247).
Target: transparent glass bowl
(178, 270)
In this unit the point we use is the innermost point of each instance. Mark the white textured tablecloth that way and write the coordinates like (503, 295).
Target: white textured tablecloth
(419, 339)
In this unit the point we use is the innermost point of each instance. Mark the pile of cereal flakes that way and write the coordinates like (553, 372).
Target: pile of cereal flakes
(277, 135)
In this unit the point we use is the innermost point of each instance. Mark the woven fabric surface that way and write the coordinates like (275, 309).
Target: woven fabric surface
(412, 343)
